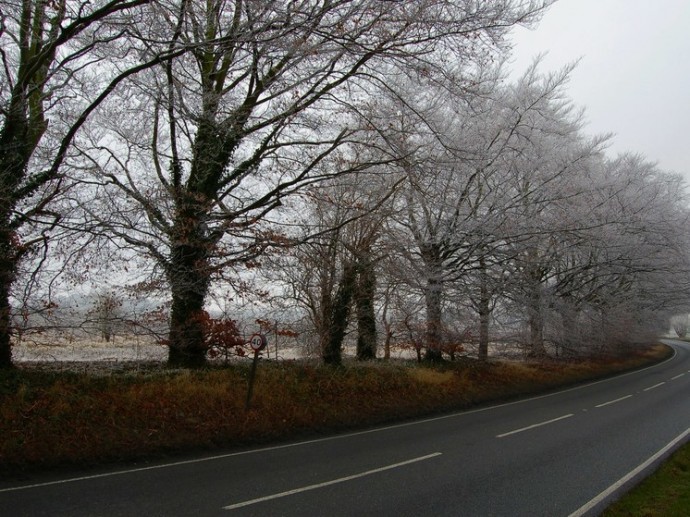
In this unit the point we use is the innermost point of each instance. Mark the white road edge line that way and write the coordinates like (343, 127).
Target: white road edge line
(328, 483)
(655, 386)
(331, 438)
(535, 425)
(613, 401)
(630, 475)
(677, 377)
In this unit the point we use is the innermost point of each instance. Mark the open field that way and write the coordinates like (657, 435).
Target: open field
(54, 418)
(71, 349)
(67, 350)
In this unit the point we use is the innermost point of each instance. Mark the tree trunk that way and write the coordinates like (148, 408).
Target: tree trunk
(5, 317)
(484, 313)
(536, 322)
(16, 145)
(8, 268)
(433, 294)
(366, 316)
(484, 317)
(387, 344)
(186, 339)
(388, 328)
(569, 331)
(189, 281)
(332, 349)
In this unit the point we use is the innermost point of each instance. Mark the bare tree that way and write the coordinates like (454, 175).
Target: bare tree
(540, 191)
(680, 325)
(444, 178)
(256, 112)
(459, 152)
(55, 73)
(642, 263)
(107, 311)
(331, 270)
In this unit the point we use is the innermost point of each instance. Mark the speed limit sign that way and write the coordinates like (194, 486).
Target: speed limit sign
(257, 342)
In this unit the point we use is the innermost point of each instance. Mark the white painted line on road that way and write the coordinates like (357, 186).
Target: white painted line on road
(630, 475)
(534, 425)
(613, 401)
(677, 377)
(655, 386)
(328, 483)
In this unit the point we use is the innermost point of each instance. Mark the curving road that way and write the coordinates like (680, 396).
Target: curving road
(563, 454)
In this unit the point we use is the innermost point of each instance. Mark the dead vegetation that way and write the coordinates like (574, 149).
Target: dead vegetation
(54, 418)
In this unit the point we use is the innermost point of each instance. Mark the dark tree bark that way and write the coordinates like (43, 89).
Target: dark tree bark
(484, 313)
(388, 328)
(8, 265)
(366, 316)
(186, 339)
(387, 344)
(6, 280)
(433, 295)
(535, 318)
(189, 275)
(569, 332)
(332, 350)
(17, 142)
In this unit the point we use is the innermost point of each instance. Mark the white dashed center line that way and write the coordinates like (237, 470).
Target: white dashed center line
(534, 425)
(655, 386)
(613, 401)
(328, 483)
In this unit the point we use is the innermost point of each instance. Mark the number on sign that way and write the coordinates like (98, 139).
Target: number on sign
(257, 342)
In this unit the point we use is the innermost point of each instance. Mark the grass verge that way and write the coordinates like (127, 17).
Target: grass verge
(666, 493)
(50, 419)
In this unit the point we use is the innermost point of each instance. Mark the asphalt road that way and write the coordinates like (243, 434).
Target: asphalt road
(563, 454)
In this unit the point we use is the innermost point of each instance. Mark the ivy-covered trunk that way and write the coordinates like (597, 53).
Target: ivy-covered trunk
(536, 322)
(484, 310)
(8, 266)
(186, 338)
(366, 315)
(569, 313)
(6, 279)
(17, 142)
(433, 295)
(332, 347)
(188, 274)
(484, 317)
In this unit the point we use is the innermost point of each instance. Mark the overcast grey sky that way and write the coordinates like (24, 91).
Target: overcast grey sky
(634, 75)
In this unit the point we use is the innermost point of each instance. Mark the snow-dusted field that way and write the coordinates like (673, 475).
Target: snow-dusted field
(119, 349)
(73, 349)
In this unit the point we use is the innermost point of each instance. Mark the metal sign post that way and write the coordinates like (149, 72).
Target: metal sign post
(258, 343)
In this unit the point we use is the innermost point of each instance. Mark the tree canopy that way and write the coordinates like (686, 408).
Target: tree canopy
(369, 159)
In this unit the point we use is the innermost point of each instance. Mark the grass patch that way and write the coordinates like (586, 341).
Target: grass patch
(50, 419)
(666, 493)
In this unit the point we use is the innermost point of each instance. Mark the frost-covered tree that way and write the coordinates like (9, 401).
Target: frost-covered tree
(541, 184)
(201, 153)
(55, 72)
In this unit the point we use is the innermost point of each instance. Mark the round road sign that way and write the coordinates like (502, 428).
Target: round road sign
(258, 342)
